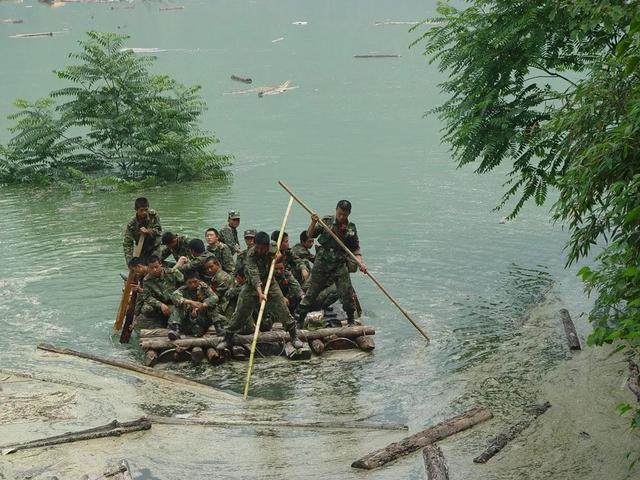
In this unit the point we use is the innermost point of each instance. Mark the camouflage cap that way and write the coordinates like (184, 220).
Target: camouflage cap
(234, 214)
(250, 233)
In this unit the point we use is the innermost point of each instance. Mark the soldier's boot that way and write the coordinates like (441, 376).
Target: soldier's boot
(227, 341)
(174, 331)
(350, 320)
(221, 332)
(301, 315)
(295, 341)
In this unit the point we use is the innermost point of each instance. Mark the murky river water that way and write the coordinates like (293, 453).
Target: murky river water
(488, 293)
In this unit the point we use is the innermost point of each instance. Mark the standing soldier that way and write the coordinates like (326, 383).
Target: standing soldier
(219, 250)
(257, 268)
(229, 233)
(145, 221)
(331, 261)
(249, 236)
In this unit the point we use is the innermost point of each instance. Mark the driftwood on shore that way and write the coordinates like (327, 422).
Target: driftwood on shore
(498, 442)
(633, 383)
(422, 439)
(349, 425)
(113, 429)
(128, 366)
(434, 463)
(570, 330)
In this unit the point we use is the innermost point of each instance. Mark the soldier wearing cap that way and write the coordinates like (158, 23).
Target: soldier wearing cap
(249, 237)
(229, 233)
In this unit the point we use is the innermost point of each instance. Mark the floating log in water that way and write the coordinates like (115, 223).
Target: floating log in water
(171, 9)
(634, 379)
(498, 442)
(238, 78)
(273, 336)
(130, 366)
(570, 330)
(389, 22)
(365, 343)
(422, 439)
(317, 346)
(197, 355)
(37, 35)
(68, 383)
(377, 55)
(150, 358)
(277, 423)
(11, 21)
(434, 463)
(113, 429)
(261, 91)
(293, 353)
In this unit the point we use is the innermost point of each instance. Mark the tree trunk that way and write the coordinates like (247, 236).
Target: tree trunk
(422, 439)
(365, 343)
(317, 346)
(434, 463)
(498, 442)
(570, 330)
(113, 429)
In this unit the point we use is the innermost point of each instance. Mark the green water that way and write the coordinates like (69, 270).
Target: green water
(487, 293)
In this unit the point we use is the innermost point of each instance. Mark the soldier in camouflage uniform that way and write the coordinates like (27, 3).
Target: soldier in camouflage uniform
(291, 261)
(219, 281)
(229, 233)
(197, 259)
(257, 267)
(303, 249)
(195, 308)
(157, 294)
(249, 236)
(219, 250)
(289, 286)
(330, 265)
(144, 221)
(175, 245)
(140, 270)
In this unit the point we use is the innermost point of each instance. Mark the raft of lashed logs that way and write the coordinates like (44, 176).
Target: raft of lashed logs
(158, 348)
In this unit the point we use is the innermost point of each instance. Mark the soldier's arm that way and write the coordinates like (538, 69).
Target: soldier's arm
(178, 298)
(314, 229)
(227, 259)
(156, 228)
(127, 242)
(211, 298)
(149, 299)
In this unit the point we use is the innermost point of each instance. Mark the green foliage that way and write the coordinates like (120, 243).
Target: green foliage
(114, 119)
(552, 88)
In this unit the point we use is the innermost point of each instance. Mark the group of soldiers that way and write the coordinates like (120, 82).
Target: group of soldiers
(189, 285)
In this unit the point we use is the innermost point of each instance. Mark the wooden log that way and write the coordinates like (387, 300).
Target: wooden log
(365, 343)
(317, 346)
(293, 353)
(570, 330)
(498, 442)
(212, 355)
(238, 78)
(239, 353)
(171, 9)
(163, 343)
(269, 348)
(112, 429)
(197, 355)
(422, 439)
(11, 21)
(434, 463)
(633, 383)
(340, 343)
(131, 366)
(277, 423)
(150, 358)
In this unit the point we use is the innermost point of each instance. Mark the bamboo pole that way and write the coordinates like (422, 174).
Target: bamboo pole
(350, 253)
(126, 293)
(263, 303)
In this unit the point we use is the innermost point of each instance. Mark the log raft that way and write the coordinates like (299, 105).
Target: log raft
(158, 348)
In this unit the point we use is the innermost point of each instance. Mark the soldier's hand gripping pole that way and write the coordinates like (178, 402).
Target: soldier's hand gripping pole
(126, 293)
(350, 253)
(264, 302)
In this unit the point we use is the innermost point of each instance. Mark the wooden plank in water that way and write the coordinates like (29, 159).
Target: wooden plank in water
(293, 353)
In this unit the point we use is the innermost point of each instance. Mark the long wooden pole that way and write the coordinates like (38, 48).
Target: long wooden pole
(263, 303)
(126, 293)
(350, 253)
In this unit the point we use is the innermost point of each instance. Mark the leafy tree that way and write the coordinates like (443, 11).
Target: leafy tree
(115, 118)
(552, 87)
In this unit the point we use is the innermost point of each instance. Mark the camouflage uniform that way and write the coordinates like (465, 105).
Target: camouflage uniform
(181, 250)
(304, 253)
(290, 288)
(220, 284)
(197, 263)
(181, 313)
(241, 261)
(229, 236)
(132, 235)
(158, 290)
(330, 265)
(293, 263)
(224, 254)
(257, 270)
